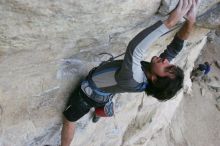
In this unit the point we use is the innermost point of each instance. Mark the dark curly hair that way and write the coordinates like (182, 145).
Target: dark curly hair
(164, 88)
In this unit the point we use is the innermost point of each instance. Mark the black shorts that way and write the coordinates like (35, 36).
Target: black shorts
(78, 104)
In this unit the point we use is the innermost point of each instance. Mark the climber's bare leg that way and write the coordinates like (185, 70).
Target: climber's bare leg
(67, 132)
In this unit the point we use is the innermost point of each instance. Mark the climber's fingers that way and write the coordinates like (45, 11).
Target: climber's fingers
(190, 4)
(191, 14)
(192, 9)
(180, 5)
(184, 6)
(194, 4)
(180, 11)
(185, 3)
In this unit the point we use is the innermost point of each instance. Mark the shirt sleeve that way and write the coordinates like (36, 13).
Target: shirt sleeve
(131, 66)
(173, 48)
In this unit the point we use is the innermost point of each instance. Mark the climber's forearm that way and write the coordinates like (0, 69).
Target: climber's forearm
(185, 30)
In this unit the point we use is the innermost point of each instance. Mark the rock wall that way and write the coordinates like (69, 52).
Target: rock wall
(211, 18)
(47, 45)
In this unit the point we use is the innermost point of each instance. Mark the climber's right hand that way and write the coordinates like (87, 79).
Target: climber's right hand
(178, 13)
(191, 14)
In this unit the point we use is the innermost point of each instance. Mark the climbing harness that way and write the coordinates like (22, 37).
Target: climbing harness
(98, 95)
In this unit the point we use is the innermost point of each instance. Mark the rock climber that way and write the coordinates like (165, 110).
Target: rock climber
(157, 78)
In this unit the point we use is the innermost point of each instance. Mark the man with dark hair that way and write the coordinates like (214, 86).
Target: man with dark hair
(158, 78)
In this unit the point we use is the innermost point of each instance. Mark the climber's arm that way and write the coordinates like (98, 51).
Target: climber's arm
(177, 43)
(185, 31)
(131, 67)
(190, 17)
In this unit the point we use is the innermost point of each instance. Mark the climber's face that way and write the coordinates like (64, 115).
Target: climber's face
(161, 67)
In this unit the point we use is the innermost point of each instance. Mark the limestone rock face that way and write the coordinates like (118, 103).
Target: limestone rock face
(211, 18)
(168, 5)
(46, 46)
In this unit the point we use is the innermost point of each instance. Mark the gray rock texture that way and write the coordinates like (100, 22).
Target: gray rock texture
(46, 46)
(211, 18)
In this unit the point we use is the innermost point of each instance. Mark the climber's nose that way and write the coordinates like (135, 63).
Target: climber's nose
(164, 61)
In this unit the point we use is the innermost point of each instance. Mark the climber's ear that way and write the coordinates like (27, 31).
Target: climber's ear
(153, 79)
